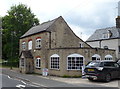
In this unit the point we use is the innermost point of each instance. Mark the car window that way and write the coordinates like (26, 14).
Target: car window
(118, 62)
(111, 64)
(93, 64)
(116, 65)
(108, 64)
(101, 64)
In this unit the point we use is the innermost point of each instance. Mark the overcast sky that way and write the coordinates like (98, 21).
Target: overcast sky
(83, 16)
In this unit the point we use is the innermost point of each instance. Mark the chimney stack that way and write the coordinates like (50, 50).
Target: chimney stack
(118, 18)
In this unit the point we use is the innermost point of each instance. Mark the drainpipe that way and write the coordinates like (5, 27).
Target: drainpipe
(49, 40)
(100, 43)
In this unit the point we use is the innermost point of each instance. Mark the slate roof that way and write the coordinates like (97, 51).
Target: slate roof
(27, 54)
(39, 28)
(98, 34)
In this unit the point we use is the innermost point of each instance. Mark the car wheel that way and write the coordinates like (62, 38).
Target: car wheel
(107, 78)
(90, 79)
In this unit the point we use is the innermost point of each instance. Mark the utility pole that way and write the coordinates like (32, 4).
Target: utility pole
(11, 49)
(0, 43)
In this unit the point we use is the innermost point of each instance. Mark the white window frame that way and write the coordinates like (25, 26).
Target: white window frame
(38, 63)
(23, 45)
(38, 43)
(108, 57)
(22, 62)
(77, 61)
(106, 35)
(30, 45)
(55, 62)
(98, 58)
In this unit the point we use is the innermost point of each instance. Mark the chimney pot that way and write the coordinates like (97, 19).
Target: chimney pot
(118, 18)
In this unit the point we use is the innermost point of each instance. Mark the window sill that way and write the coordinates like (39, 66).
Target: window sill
(74, 69)
(37, 68)
(38, 48)
(55, 69)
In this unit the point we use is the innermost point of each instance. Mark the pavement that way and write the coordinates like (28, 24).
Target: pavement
(72, 81)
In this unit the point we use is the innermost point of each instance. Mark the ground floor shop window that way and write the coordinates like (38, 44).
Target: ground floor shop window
(108, 57)
(74, 62)
(54, 61)
(38, 63)
(96, 57)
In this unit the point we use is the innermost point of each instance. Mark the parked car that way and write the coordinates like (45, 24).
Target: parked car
(102, 70)
(118, 61)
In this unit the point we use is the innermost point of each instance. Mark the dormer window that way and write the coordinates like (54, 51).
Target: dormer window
(23, 45)
(38, 43)
(107, 35)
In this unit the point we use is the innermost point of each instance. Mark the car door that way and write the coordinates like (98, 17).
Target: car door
(112, 68)
(116, 70)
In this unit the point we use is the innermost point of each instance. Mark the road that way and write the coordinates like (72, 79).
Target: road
(15, 78)
(8, 81)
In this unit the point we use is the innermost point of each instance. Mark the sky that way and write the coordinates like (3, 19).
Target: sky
(82, 16)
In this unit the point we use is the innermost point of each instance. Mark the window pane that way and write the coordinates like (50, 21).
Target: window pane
(38, 63)
(23, 45)
(75, 63)
(22, 62)
(30, 45)
(38, 43)
(54, 62)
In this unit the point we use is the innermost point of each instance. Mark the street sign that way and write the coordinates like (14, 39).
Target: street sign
(45, 72)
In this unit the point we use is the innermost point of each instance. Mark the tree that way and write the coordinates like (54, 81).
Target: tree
(19, 20)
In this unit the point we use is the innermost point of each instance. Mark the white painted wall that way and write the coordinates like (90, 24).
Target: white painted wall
(94, 44)
(112, 44)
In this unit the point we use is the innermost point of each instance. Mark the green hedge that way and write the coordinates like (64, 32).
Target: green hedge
(9, 64)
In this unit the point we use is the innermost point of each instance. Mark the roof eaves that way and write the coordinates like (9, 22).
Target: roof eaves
(45, 30)
(33, 34)
(102, 39)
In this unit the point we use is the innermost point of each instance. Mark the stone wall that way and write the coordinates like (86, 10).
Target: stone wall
(86, 53)
(112, 44)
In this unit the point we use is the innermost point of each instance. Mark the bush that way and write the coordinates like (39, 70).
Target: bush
(9, 64)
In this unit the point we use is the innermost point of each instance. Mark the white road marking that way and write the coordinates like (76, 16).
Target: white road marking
(9, 77)
(39, 84)
(20, 86)
(24, 82)
(33, 85)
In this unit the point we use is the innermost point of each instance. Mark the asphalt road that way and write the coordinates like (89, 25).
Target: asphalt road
(17, 79)
(8, 81)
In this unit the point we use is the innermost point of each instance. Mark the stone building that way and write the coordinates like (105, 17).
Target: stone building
(107, 37)
(53, 45)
